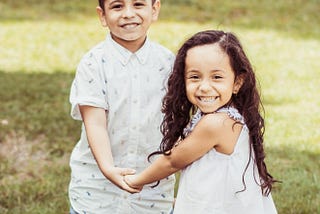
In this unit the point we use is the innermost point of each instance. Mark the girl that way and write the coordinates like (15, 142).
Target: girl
(220, 149)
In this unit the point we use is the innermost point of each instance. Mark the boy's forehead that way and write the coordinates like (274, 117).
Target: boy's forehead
(111, 1)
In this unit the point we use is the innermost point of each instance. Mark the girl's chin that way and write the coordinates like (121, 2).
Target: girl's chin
(207, 110)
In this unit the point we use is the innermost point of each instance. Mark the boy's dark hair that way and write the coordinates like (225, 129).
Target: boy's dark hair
(101, 3)
(176, 107)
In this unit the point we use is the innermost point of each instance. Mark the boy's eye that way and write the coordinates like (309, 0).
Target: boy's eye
(139, 4)
(116, 6)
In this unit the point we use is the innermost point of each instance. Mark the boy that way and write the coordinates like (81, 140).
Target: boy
(117, 93)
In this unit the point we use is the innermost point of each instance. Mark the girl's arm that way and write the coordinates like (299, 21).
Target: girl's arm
(95, 123)
(213, 130)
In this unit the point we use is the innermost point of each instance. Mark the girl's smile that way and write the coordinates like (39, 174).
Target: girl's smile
(207, 99)
(210, 80)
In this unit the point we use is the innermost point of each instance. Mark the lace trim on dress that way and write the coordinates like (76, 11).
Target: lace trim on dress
(193, 122)
(231, 111)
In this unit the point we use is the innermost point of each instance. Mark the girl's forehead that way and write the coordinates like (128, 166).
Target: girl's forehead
(207, 57)
(215, 47)
(212, 51)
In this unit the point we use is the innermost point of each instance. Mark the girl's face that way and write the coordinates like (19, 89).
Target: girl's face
(209, 78)
(129, 20)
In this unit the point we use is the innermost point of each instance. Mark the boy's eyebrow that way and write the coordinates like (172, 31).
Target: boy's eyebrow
(113, 1)
(140, 0)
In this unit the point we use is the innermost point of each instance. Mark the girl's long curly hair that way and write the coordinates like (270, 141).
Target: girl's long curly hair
(177, 109)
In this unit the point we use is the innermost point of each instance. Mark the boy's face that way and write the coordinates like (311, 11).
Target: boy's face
(128, 20)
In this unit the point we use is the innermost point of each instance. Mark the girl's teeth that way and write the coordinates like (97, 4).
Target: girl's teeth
(207, 99)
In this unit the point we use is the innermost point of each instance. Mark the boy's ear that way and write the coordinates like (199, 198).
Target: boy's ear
(156, 10)
(102, 16)
(238, 83)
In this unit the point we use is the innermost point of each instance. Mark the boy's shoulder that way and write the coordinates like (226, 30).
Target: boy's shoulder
(93, 58)
(161, 49)
(97, 50)
(97, 53)
(161, 53)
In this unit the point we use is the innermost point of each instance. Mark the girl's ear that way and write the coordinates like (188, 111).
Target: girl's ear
(102, 16)
(238, 83)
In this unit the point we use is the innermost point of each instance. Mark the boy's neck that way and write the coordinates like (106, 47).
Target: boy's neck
(132, 46)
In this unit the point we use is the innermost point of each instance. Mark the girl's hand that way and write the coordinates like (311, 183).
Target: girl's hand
(130, 180)
(116, 176)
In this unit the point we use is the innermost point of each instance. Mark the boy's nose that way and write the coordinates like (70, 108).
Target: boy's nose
(128, 12)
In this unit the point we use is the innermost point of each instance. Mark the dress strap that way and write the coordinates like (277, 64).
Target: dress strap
(193, 122)
(232, 113)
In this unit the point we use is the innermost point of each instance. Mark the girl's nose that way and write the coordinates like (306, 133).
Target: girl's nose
(204, 85)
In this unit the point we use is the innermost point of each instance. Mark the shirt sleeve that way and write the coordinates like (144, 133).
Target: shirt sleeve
(88, 87)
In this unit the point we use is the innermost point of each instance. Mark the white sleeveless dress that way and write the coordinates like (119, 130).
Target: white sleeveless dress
(211, 184)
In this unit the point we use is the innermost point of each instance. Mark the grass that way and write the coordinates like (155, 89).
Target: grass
(39, 50)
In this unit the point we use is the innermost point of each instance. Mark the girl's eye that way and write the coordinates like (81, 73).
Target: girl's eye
(217, 77)
(193, 77)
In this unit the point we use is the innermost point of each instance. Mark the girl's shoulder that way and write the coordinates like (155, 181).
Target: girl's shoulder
(222, 118)
(216, 122)
(222, 128)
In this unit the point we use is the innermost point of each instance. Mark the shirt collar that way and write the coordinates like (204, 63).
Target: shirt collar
(124, 55)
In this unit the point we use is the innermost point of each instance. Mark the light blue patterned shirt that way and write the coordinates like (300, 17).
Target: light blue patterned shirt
(130, 87)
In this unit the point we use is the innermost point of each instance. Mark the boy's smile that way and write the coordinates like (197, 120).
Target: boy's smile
(129, 20)
(129, 26)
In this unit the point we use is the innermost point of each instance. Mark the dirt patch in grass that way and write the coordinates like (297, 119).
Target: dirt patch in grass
(21, 159)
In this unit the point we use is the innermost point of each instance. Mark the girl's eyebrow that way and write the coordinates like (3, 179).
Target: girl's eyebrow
(196, 70)
(192, 70)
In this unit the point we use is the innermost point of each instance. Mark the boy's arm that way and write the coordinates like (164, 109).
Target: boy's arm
(95, 123)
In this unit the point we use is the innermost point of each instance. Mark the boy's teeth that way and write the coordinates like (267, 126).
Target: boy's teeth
(129, 26)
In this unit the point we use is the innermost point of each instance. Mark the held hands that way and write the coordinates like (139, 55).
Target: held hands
(117, 176)
(131, 181)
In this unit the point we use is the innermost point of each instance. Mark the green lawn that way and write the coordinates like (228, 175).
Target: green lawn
(42, 42)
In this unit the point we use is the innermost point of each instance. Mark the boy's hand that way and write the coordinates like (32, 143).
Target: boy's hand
(116, 176)
(130, 180)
